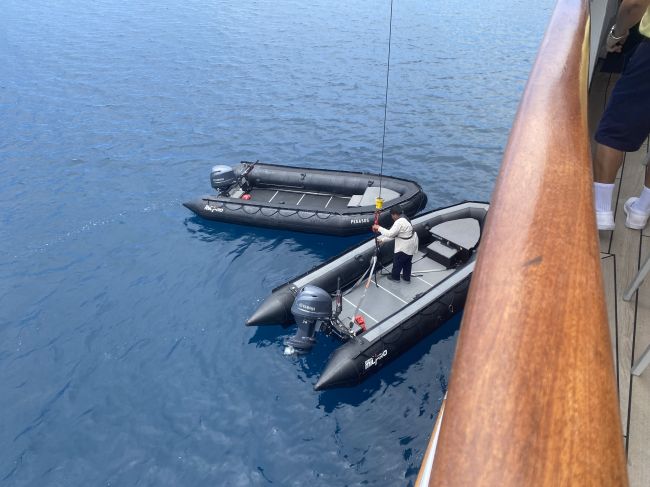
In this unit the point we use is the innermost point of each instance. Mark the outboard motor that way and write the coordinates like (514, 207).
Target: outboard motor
(312, 305)
(222, 177)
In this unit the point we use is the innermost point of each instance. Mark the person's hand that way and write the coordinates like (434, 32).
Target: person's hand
(375, 228)
(615, 40)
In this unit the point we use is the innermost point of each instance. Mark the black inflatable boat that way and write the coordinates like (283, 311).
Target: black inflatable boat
(304, 200)
(350, 297)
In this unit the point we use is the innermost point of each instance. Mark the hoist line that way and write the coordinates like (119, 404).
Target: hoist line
(383, 137)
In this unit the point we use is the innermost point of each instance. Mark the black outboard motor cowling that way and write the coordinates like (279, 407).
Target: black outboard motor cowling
(312, 304)
(222, 177)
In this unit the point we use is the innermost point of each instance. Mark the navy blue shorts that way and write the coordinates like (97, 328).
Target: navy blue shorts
(626, 121)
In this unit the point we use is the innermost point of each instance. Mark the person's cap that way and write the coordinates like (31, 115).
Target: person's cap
(396, 210)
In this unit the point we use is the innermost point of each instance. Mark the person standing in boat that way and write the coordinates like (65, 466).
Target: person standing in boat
(626, 122)
(406, 243)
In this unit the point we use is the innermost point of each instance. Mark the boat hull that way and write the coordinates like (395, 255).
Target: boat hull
(394, 330)
(354, 361)
(310, 200)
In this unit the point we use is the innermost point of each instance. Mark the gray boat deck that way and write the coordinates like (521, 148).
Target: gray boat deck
(384, 297)
(300, 199)
(622, 252)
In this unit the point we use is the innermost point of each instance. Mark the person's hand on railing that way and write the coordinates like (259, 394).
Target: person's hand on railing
(629, 13)
(615, 40)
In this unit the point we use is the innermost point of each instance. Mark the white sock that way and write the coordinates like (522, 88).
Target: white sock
(643, 203)
(603, 193)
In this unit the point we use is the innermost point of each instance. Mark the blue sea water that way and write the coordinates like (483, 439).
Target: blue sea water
(124, 359)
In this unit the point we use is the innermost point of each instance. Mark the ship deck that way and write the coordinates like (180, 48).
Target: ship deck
(623, 251)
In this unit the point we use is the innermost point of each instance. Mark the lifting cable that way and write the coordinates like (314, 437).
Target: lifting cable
(379, 202)
(383, 137)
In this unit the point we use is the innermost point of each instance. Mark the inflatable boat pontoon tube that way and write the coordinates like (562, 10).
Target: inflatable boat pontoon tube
(303, 199)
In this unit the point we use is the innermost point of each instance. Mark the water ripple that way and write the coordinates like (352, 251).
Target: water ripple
(123, 355)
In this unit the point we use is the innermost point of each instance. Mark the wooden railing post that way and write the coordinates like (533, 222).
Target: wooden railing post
(532, 398)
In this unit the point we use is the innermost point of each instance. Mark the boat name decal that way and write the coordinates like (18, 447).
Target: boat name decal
(359, 220)
(213, 208)
(375, 360)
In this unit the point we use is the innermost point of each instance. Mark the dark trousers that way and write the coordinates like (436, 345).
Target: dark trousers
(402, 262)
(625, 125)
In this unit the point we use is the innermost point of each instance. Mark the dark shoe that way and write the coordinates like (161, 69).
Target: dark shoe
(407, 281)
(391, 278)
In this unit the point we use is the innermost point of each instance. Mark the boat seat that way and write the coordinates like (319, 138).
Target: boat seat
(452, 241)
(370, 195)
(442, 254)
(355, 200)
(461, 234)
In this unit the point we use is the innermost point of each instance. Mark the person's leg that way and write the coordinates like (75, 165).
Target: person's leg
(624, 126)
(607, 162)
(408, 262)
(397, 265)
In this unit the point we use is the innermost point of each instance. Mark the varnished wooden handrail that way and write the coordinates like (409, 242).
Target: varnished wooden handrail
(532, 398)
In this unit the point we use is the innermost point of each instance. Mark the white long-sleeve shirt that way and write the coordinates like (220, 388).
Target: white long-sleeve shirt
(401, 231)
